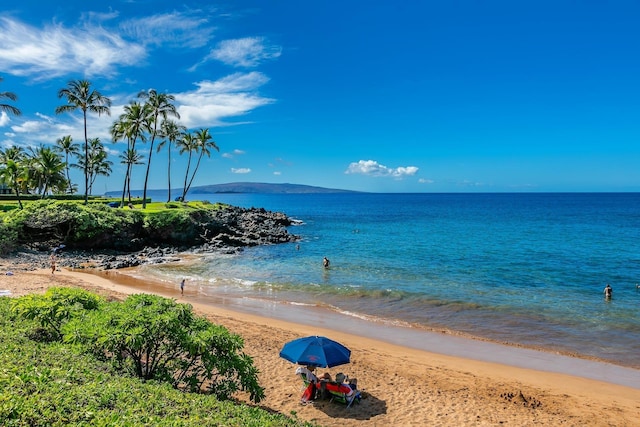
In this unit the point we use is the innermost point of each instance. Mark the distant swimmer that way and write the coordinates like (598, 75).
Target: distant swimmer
(326, 262)
(608, 291)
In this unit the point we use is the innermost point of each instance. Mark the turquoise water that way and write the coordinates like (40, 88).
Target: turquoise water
(525, 269)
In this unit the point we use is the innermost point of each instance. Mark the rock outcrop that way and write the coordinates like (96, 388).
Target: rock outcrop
(133, 243)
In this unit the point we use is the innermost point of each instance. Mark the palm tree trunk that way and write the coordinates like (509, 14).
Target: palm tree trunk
(68, 177)
(146, 177)
(194, 172)
(186, 175)
(169, 173)
(18, 197)
(124, 187)
(86, 159)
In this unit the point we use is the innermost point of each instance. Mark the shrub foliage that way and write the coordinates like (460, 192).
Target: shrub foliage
(57, 384)
(47, 223)
(151, 337)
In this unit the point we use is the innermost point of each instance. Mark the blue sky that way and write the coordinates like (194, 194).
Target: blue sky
(382, 96)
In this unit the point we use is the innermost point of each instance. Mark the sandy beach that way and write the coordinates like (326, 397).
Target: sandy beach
(402, 386)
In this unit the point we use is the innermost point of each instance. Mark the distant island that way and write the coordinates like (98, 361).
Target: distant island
(264, 188)
(252, 187)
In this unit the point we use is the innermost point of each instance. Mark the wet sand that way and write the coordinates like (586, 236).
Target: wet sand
(465, 383)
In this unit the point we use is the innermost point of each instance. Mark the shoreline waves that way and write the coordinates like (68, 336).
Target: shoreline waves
(441, 341)
(402, 385)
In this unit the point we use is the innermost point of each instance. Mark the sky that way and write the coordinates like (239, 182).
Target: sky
(376, 96)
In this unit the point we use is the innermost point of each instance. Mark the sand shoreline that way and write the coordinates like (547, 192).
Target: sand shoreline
(404, 385)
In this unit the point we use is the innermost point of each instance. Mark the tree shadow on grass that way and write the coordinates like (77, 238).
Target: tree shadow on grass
(369, 407)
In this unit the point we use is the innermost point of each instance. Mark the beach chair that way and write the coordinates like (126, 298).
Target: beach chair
(308, 379)
(342, 393)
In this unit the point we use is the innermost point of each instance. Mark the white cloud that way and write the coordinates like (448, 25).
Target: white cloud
(213, 102)
(373, 168)
(56, 50)
(234, 153)
(4, 119)
(240, 170)
(30, 126)
(92, 47)
(174, 29)
(277, 173)
(47, 129)
(425, 181)
(245, 52)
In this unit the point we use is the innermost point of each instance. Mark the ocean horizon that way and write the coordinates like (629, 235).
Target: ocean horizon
(526, 269)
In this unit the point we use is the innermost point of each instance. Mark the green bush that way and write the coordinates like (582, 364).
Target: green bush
(57, 385)
(155, 338)
(69, 222)
(8, 236)
(175, 220)
(56, 307)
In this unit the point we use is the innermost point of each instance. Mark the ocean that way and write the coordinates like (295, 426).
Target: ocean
(527, 269)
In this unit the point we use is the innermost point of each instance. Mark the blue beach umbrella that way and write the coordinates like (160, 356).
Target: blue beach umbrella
(316, 351)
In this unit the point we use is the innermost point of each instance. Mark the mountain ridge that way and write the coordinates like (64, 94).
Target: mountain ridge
(252, 187)
(264, 188)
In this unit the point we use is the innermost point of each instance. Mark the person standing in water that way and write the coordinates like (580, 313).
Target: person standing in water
(608, 291)
(182, 287)
(325, 262)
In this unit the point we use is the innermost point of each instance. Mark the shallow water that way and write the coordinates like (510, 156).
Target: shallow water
(525, 269)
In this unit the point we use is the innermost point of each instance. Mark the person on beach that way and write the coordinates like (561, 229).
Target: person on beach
(308, 373)
(52, 259)
(182, 287)
(608, 291)
(344, 379)
(325, 262)
(309, 377)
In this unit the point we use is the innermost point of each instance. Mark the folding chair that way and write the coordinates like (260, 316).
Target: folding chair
(342, 393)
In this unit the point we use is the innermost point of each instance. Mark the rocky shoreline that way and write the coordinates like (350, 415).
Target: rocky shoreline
(231, 231)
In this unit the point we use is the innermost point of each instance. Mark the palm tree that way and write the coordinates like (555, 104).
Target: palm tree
(13, 174)
(15, 156)
(6, 107)
(158, 106)
(98, 163)
(189, 145)
(12, 153)
(80, 96)
(204, 142)
(130, 126)
(171, 132)
(68, 147)
(130, 157)
(46, 170)
(12, 169)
